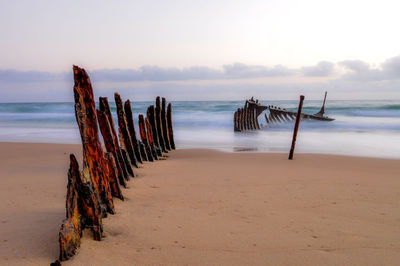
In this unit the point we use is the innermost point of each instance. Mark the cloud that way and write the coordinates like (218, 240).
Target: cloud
(362, 71)
(239, 70)
(356, 70)
(12, 75)
(322, 69)
(155, 73)
(391, 67)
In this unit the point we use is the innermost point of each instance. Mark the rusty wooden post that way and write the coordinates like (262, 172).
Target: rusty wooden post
(164, 124)
(246, 118)
(251, 112)
(125, 166)
(71, 228)
(143, 150)
(152, 119)
(112, 170)
(105, 130)
(132, 131)
(251, 120)
(241, 119)
(238, 119)
(159, 125)
(126, 139)
(150, 139)
(126, 156)
(143, 136)
(170, 127)
(94, 163)
(296, 127)
(235, 121)
(256, 119)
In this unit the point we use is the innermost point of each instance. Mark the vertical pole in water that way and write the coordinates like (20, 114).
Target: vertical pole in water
(296, 127)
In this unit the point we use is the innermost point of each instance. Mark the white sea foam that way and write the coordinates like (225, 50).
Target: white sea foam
(365, 128)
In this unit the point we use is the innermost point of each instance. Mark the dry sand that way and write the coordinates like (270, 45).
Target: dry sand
(203, 207)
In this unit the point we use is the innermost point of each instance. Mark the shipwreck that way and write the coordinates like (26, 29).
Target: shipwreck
(246, 118)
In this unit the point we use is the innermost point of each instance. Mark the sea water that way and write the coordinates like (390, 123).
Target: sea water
(360, 128)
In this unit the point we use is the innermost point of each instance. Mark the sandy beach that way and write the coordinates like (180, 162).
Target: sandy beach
(204, 207)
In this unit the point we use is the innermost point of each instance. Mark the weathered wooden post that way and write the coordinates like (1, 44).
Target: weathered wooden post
(126, 139)
(150, 139)
(170, 127)
(132, 131)
(143, 136)
(105, 130)
(164, 124)
(296, 127)
(125, 166)
(242, 119)
(160, 125)
(152, 119)
(256, 119)
(94, 163)
(235, 121)
(246, 118)
(112, 170)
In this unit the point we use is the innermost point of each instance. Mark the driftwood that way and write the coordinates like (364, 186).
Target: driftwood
(152, 119)
(164, 124)
(170, 128)
(143, 136)
(132, 131)
(125, 137)
(126, 167)
(160, 125)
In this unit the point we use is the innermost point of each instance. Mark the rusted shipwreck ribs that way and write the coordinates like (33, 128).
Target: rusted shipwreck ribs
(91, 191)
(246, 118)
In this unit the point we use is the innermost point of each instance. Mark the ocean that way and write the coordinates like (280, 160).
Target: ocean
(361, 128)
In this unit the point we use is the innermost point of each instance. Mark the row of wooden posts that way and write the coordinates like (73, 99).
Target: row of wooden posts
(90, 192)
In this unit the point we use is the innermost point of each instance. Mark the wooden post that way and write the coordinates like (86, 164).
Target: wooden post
(235, 121)
(256, 119)
(123, 127)
(241, 119)
(266, 118)
(94, 163)
(296, 127)
(143, 151)
(143, 136)
(164, 124)
(152, 119)
(150, 139)
(132, 131)
(170, 127)
(160, 125)
(246, 118)
(105, 130)
(125, 166)
(112, 170)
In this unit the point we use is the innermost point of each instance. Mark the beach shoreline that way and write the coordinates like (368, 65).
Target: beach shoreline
(203, 206)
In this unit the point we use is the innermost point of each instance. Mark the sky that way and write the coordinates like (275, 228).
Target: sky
(201, 50)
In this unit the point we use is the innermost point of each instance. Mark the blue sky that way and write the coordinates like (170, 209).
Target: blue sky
(201, 50)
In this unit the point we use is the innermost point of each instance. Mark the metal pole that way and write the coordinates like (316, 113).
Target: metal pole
(296, 127)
